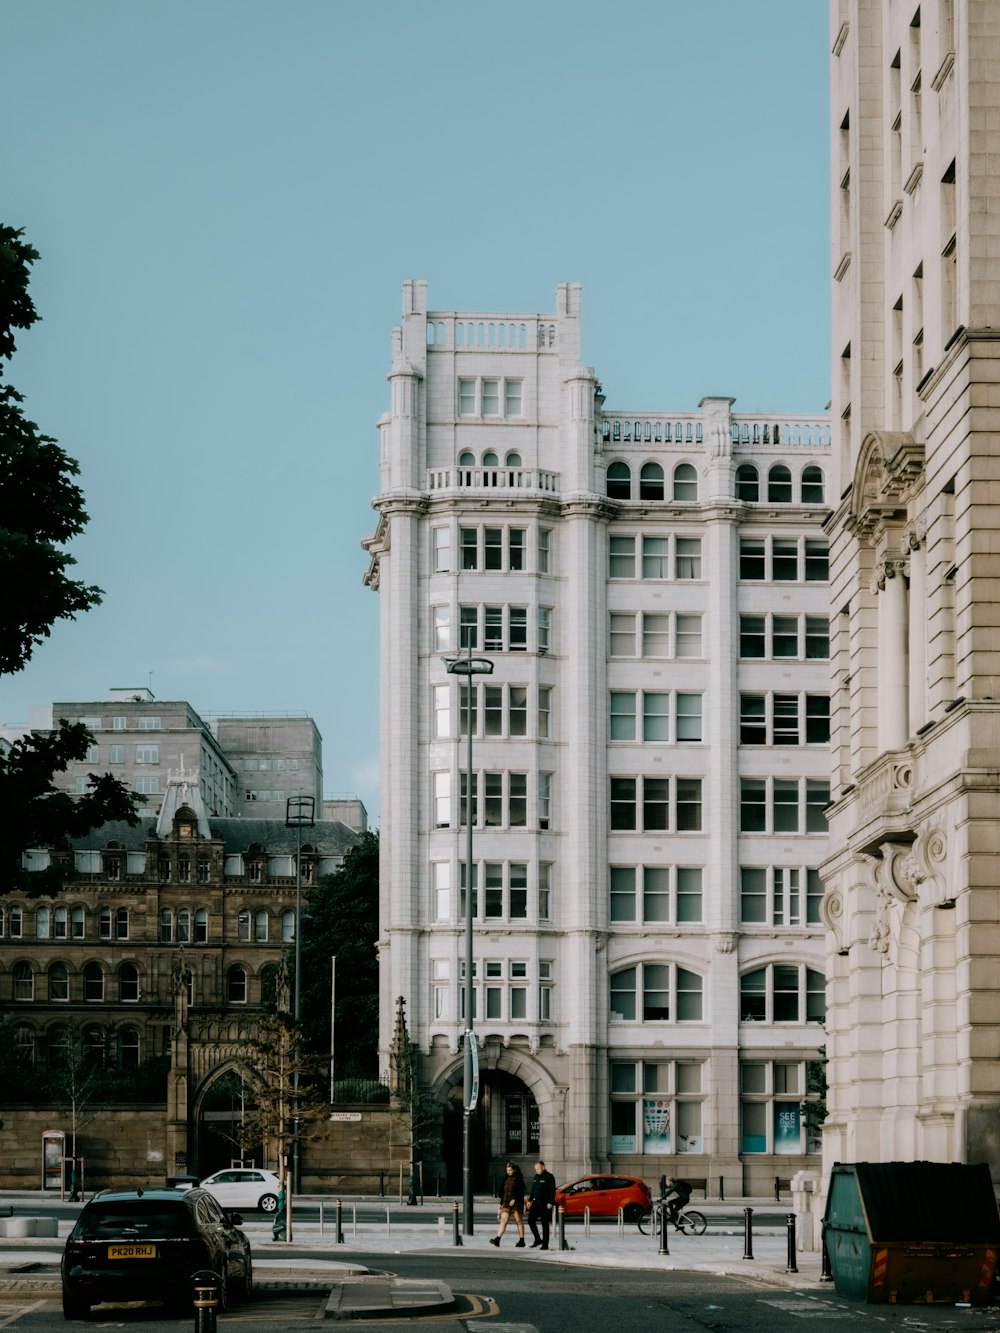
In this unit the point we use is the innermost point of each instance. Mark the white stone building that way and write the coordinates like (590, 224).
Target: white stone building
(913, 870)
(650, 754)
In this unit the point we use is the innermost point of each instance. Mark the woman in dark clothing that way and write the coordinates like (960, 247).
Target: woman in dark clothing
(512, 1201)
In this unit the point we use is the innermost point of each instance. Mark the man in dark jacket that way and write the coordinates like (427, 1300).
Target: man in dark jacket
(541, 1199)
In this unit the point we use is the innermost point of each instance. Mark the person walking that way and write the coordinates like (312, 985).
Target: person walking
(541, 1201)
(511, 1201)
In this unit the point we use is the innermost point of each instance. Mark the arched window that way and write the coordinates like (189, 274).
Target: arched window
(58, 982)
(104, 920)
(666, 991)
(42, 923)
(779, 485)
(14, 922)
(201, 926)
(651, 482)
(287, 927)
(184, 926)
(24, 1047)
(78, 923)
(243, 925)
(93, 1045)
(619, 481)
(236, 985)
(747, 483)
(782, 993)
(93, 982)
(260, 927)
(60, 922)
(128, 1046)
(514, 460)
(812, 485)
(121, 923)
(685, 482)
(128, 983)
(166, 925)
(58, 1044)
(466, 459)
(24, 982)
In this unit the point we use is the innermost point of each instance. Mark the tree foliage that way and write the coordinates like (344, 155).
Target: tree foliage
(41, 507)
(342, 922)
(282, 1098)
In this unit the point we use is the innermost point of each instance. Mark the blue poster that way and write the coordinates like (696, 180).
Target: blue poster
(655, 1125)
(787, 1128)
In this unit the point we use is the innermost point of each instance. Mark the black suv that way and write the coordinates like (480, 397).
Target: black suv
(135, 1245)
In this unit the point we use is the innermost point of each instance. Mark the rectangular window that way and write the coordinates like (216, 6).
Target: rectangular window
(442, 800)
(656, 716)
(493, 889)
(753, 805)
(785, 724)
(689, 893)
(623, 803)
(147, 754)
(469, 627)
(442, 550)
(491, 398)
(655, 894)
(785, 636)
(544, 625)
(544, 549)
(544, 800)
(817, 637)
(492, 548)
(689, 811)
(622, 715)
(441, 874)
(515, 548)
(119, 723)
(466, 398)
(688, 720)
(493, 629)
(492, 710)
(512, 398)
(687, 558)
(753, 895)
(622, 627)
(688, 636)
(655, 558)
(753, 719)
(817, 560)
(493, 799)
(544, 711)
(655, 803)
(655, 635)
(468, 697)
(752, 560)
(622, 558)
(468, 541)
(814, 897)
(519, 629)
(622, 893)
(752, 641)
(518, 891)
(517, 710)
(149, 723)
(518, 800)
(785, 805)
(442, 711)
(817, 719)
(817, 799)
(784, 559)
(545, 891)
(148, 786)
(116, 754)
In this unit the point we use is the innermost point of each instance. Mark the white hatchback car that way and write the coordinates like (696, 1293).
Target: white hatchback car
(244, 1187)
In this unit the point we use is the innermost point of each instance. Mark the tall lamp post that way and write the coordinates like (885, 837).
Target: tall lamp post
(469, 667)
(300, 813)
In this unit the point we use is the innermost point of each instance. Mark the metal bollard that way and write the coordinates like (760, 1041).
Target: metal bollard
(722, 1192)
(206, 1300)
(456, 1235)
(664, 1224)
(561, 1227)
(777, 1189)
(586, 1222)
(747, 1233)
(791, 1266)
(826, 1271)
(340, 1223)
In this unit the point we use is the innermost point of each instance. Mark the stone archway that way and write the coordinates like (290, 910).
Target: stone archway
(220, 1114)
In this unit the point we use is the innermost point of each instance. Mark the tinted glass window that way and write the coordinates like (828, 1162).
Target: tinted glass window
(148, 1219)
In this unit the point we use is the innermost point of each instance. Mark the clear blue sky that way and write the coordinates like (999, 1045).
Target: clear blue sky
(227, 195)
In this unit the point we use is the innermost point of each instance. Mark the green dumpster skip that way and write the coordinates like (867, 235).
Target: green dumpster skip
(912, 1232)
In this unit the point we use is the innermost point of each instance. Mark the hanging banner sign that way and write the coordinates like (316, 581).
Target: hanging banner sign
(473, 1050)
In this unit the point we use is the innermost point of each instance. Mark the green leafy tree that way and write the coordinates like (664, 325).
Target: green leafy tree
(281, 1097)
(342, 923)
(41, 508)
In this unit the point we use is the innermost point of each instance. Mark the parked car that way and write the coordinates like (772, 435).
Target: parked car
(605, 1195)
(244, 1187)
(135, 1245)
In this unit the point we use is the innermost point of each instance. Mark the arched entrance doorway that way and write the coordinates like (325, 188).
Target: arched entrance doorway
(224, 1136)
(505, 1126)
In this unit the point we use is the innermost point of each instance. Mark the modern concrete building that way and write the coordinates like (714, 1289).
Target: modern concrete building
(275, 755)
(651, 766)
(912, 901)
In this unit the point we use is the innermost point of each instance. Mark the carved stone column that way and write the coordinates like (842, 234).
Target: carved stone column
(893, 653)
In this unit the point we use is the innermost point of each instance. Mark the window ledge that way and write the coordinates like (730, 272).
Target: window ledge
(894, 214)
(914, 178)
(842, 267)
(941, 77)
(841, 38)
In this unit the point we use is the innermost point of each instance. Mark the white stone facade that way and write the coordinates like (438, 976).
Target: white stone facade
(650, 753)
(912, 898)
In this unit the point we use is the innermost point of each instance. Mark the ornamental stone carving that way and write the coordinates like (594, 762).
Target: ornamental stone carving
(889, 567)
(725, 943)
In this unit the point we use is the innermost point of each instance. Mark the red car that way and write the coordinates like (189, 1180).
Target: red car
(604, 1196)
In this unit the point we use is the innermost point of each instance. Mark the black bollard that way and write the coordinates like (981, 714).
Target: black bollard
(206, 1300)
(664, 1224)
(826, 1271)
(791, 1266)
(340, 1223)
(456, 1237)
(777, 1189)
(561, 1227)
(747, 1233)
(722, 1192)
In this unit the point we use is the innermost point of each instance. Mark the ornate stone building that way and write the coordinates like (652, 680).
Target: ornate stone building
(911, 879)
(162, 948)
(651, 762)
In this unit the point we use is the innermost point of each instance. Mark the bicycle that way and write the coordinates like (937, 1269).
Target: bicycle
(688, 1219)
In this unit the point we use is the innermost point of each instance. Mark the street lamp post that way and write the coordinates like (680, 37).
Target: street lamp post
(300, 813)
(469, 667)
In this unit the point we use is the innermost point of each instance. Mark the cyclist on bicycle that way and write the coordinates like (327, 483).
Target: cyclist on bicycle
(677, 1195)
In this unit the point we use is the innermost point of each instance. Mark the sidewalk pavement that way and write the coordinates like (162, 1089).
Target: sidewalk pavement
(720, 1250)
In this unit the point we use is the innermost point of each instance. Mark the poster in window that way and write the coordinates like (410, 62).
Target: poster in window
(655, 1125)
(787, 1128)
(514, 1124)
(534, 1126)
